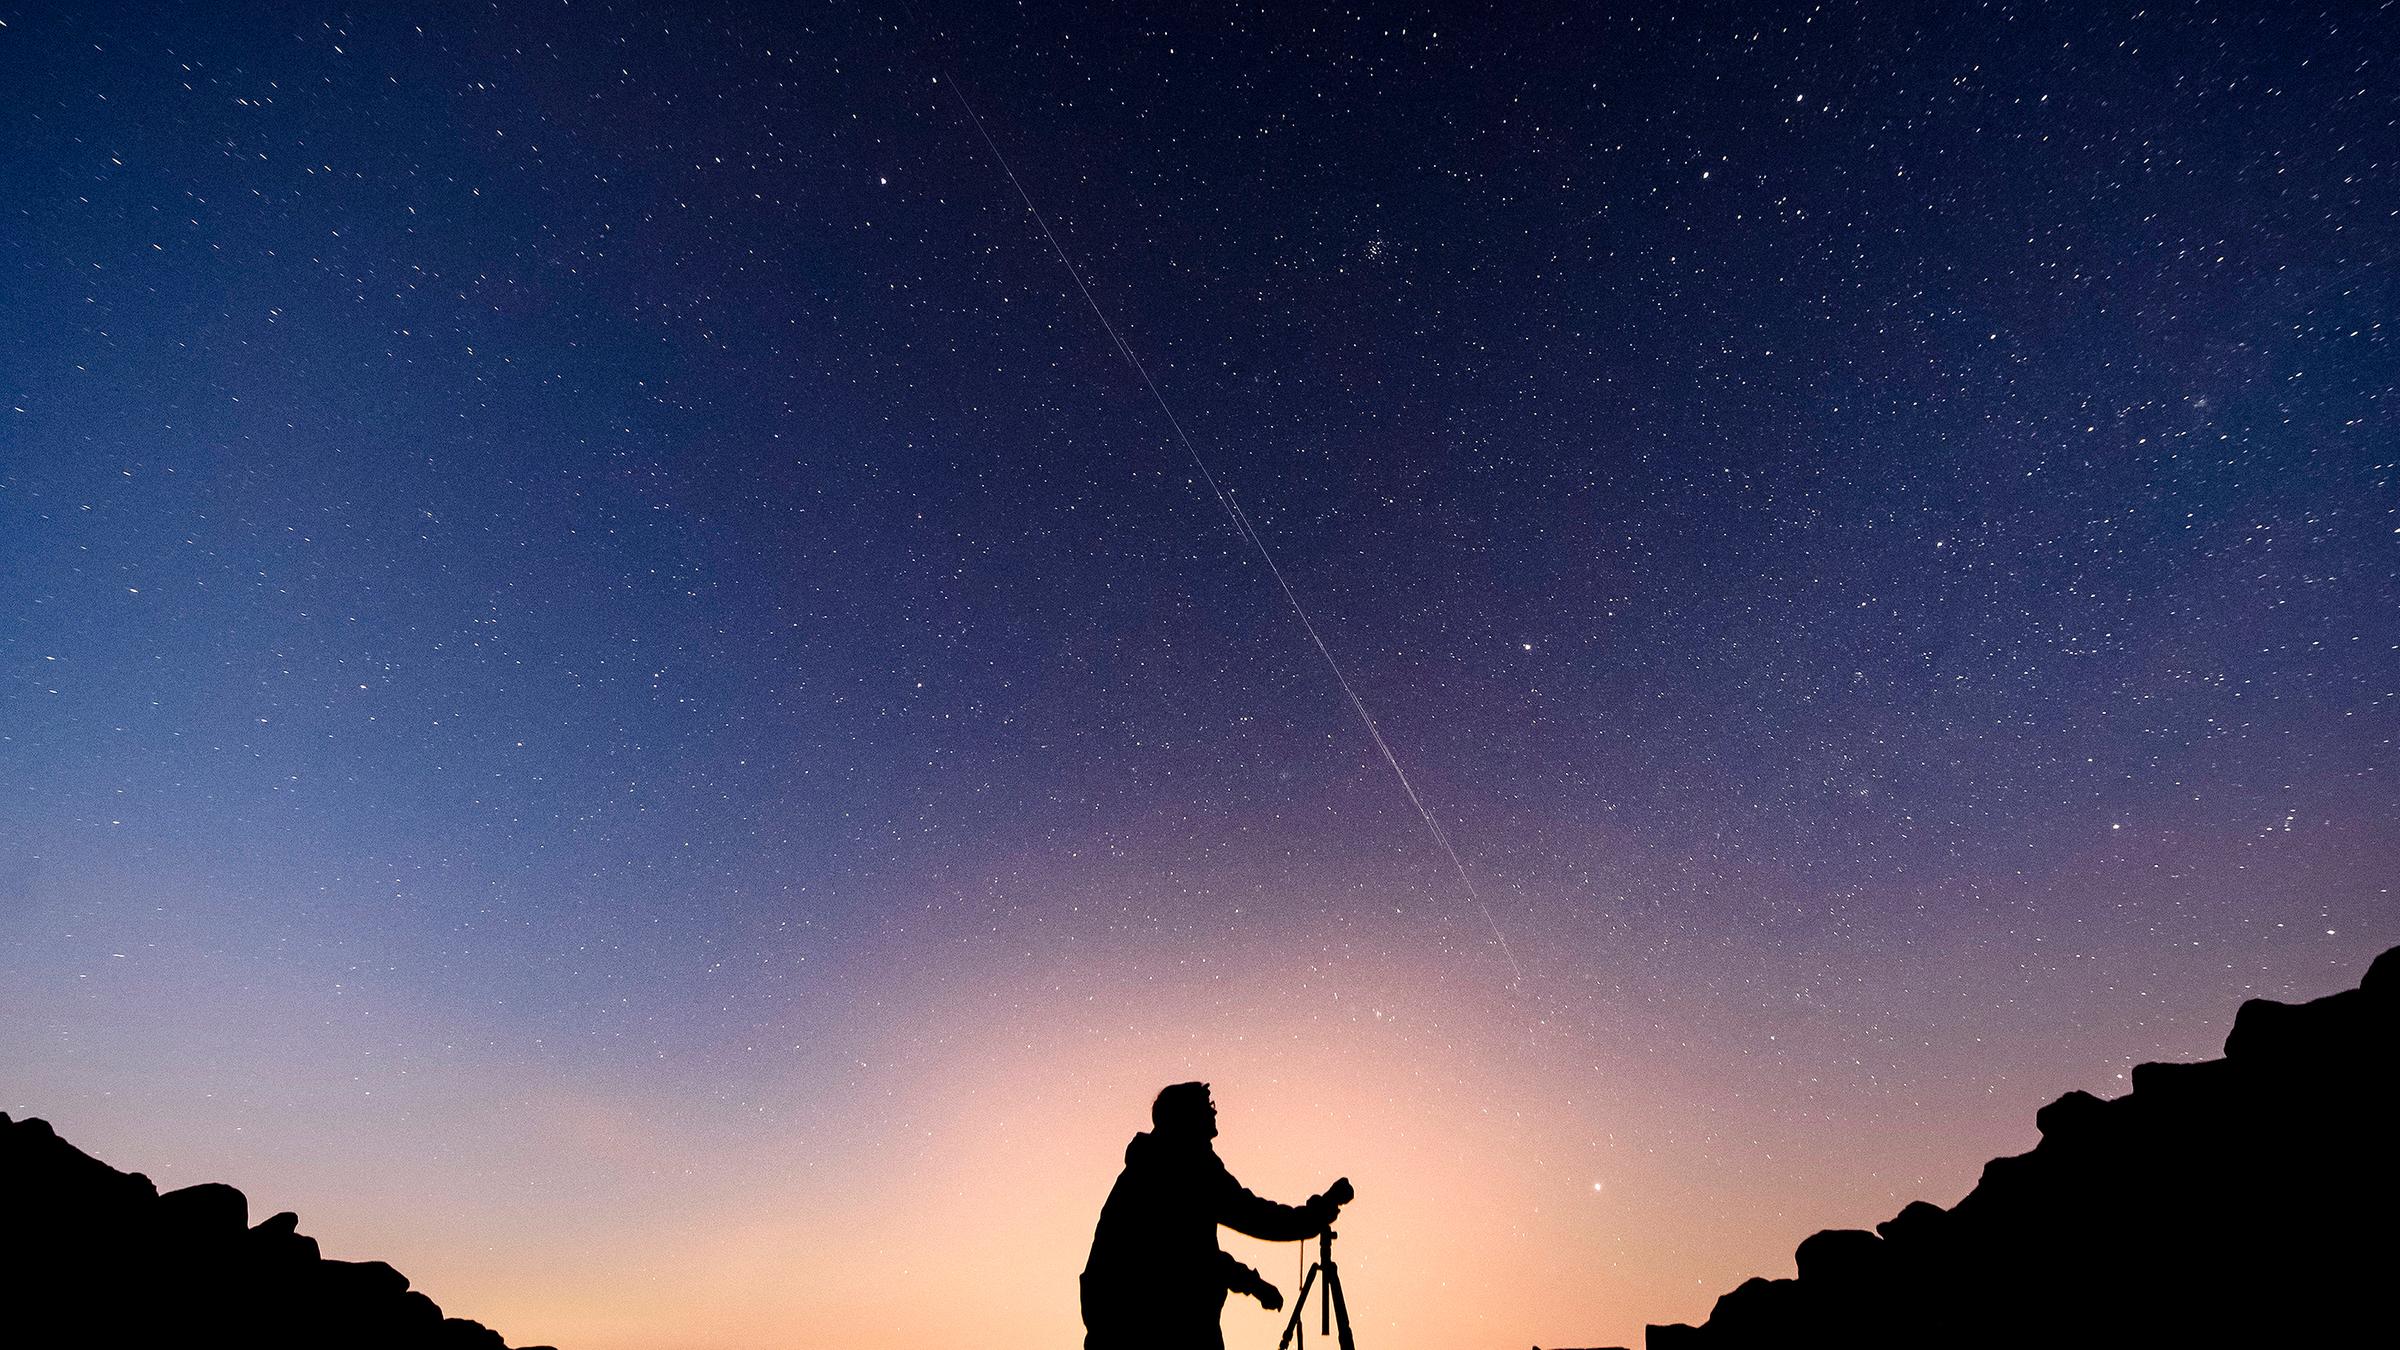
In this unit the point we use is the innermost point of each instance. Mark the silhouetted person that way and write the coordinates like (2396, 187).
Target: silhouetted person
(1156, 1279)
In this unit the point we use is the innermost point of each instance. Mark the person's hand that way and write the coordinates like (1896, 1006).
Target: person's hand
(1323, 1209)
(1248, 1281)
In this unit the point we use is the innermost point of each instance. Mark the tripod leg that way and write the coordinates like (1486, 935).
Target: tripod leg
(1291, 1327)
(1340, 1306)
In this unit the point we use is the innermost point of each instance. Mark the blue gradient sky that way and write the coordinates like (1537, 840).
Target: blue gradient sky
(611, 692)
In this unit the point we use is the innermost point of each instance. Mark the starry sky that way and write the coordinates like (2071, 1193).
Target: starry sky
(612, 690)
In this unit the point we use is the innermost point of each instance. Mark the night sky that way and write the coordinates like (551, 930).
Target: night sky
(612, 690)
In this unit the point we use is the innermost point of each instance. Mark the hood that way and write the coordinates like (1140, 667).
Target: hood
(1151, 1147)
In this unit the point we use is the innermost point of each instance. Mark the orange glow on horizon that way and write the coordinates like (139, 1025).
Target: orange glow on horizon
(925, 1167)
(966, 1217)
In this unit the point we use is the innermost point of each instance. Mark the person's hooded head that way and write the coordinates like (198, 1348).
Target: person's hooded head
(1184, 1110)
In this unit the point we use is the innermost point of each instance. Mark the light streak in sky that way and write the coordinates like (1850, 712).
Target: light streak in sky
(1240, 520)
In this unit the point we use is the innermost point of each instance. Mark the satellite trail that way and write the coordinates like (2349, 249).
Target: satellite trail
(1240, 521)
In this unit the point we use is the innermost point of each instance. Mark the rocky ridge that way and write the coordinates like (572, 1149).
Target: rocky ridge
(95, 1256)
(2247, 1200)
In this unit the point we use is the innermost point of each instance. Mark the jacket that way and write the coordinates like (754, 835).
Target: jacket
(1156, 1277)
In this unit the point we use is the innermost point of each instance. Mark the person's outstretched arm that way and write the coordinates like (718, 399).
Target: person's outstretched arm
(1244, 1212)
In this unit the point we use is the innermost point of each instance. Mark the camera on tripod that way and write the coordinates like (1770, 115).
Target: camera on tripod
(1332, 1310)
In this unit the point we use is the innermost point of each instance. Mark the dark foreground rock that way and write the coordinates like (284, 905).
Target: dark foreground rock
(2249, 1200)
(92, 1256)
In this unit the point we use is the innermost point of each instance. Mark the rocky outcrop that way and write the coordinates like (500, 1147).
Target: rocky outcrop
(2248, 1200)
(97, 1257)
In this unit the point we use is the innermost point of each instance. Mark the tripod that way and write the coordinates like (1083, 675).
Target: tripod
(1331, 1310)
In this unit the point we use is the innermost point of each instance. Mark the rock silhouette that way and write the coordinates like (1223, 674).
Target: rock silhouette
(94, 1256)
(2248, 1200)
